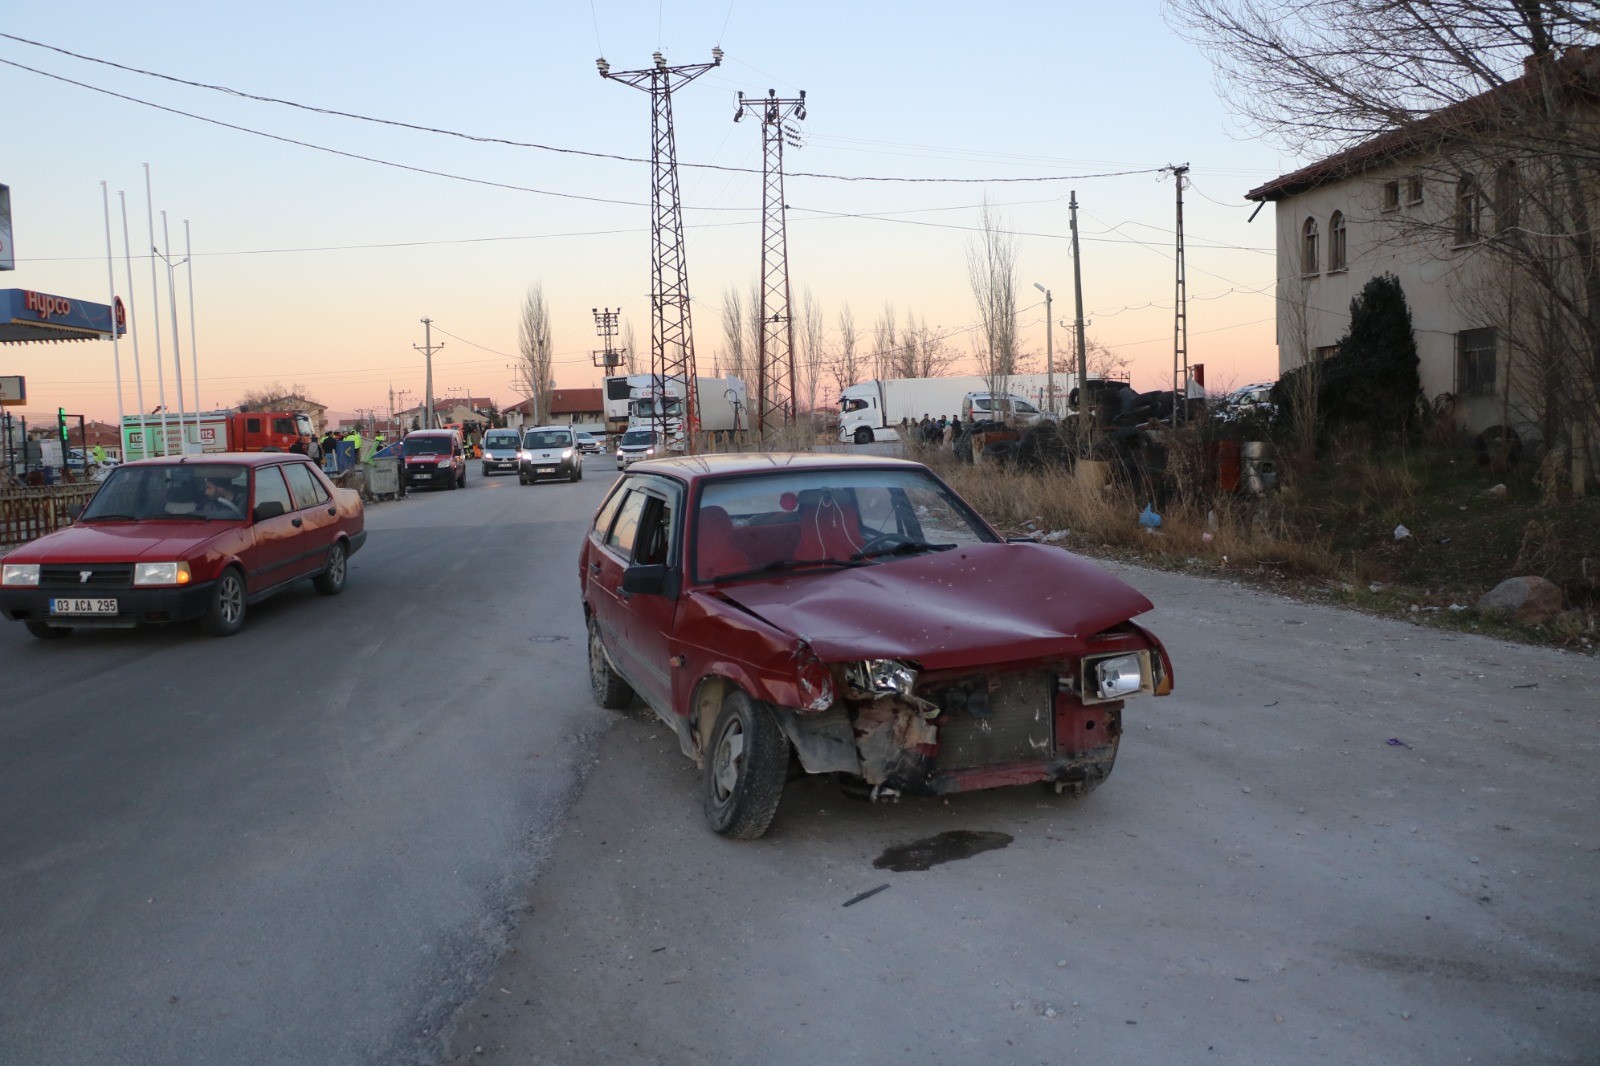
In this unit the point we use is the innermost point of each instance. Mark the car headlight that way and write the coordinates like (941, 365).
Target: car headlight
(882, 677)
(649, 451)
(567, 454)
(1123, 675)
(446, 460)
(160, 574)
(19, 574)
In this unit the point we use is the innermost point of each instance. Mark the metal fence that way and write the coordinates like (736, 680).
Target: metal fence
(27, 513)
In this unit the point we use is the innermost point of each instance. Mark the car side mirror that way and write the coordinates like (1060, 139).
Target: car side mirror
(268, 509)
(655, 579)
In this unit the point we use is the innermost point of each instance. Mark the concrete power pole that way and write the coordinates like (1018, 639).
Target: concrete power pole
(1077, 297)
(671, 331)
(427, 348)
(1180, 316)
(775, 392)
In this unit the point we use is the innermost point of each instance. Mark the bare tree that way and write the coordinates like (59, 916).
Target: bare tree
(537, 355)
(846, 365)
(927, 354)
(735, 336)
(808, 368)
(630, 349)
(271, 397)
(1466, 86)
(992, 272)
(886, 355)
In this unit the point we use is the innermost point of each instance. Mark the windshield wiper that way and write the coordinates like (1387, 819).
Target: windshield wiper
(785, 565)
(904, 548)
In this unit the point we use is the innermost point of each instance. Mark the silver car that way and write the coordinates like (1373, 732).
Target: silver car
(549, 452)
(637, 444)
(500, 447)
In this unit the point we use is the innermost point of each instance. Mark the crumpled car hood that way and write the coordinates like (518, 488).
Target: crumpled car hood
(966, 607)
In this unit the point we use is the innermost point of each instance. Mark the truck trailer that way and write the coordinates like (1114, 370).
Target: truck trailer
(873, 410)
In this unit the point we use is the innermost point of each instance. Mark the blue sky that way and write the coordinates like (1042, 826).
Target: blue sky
(315, 268)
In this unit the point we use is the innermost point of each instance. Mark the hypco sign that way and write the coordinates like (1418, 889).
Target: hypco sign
(44, 305)
(13, 391)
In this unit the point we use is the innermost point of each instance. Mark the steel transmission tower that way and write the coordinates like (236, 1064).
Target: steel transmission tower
(671, 333)
(775, 391)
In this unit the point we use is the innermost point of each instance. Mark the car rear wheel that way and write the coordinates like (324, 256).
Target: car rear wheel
(331, 581)
(225, 612)
(612, 693)
(747, 760)
(48, 632)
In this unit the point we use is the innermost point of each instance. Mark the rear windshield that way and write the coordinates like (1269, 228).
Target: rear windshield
(500, 440)
(419, 445)
(552, 438)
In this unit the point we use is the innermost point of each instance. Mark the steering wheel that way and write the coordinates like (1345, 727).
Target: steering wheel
(884, 542)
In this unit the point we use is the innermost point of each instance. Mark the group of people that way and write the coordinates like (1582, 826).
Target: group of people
(930, 431)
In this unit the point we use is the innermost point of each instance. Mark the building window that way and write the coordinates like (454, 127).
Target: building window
(1327, 351)
(1336, 242)
(1469, 210)
(1507, 192)
(1391, 196)
(1414, 189)
(1475, 362)
(1309, 263)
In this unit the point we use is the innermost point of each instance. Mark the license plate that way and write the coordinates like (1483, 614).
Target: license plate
(421, 477)
(547, 470)
(81, 606)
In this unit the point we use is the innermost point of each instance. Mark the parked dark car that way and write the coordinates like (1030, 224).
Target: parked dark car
(860, 613)
(192, 537)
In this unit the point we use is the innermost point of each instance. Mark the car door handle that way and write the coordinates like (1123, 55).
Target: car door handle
(623, 593)
(594, 568)
(295, 522)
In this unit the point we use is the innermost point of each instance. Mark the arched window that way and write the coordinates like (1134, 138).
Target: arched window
(1336, 242)
(1507, 193)
(1469, 209)
(1309, 261)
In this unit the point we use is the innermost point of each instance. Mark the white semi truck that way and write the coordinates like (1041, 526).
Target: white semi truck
(872, 410)
(722, 404)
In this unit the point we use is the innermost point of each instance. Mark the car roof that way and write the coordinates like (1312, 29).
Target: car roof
(691, 468)
(540, 429)
(434, 433)
(238, 458)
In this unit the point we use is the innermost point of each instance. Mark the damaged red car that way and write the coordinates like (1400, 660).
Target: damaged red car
(857, 616)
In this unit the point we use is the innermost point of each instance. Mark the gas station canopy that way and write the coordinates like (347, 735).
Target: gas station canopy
(26, 316)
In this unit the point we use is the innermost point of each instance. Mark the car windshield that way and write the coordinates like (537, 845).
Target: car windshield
(547, 439)
(416, 445)
(171, 491)
(585, 438)
(500, 440)
(775, 522)
(638, 438)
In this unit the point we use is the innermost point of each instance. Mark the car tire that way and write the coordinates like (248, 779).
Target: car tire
(462, 482)
(485, 471)
(48, 632)
(455, 482)
(863, 435)
(610, 690)
(225, 609)
(746, 763)
(577, 472)
(331, 581)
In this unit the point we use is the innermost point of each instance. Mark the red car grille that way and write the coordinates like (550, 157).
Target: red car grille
(101, 576)
(1019, 725)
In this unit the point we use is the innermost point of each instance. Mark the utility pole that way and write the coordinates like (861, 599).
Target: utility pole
(605, 324)
(671, 330)
(775, 393)
(1180, 316)
(1077, 297)
(427, 348)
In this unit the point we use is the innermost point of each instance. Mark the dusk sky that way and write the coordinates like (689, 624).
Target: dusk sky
(314, 268)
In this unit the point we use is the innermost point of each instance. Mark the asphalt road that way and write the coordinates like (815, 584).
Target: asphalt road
(300, 844)
(393, 826)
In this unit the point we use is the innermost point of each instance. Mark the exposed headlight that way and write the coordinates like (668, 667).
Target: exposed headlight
(1119, 677)
(160, 574)
(19, 574)
(882, 676)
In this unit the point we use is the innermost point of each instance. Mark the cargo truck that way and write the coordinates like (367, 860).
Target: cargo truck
(873, 410)
(722, 405)
(217, 431)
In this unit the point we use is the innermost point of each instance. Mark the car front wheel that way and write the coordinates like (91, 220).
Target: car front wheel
(610, 691)
(225, 612)
(746, 762)
(331, 581)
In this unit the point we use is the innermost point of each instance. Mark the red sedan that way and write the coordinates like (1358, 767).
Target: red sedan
(860, 614)
(196, 537)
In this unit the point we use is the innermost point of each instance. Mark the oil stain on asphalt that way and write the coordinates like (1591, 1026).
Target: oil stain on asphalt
(945, 847)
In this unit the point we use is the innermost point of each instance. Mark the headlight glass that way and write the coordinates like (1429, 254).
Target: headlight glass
(19, 574)
(160, 574)
(567, 454)
(1119, 677)
(882, 676)
(649, 451)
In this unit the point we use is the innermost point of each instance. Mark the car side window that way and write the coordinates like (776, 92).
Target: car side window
(271, 489)
(625, 530)
(608, 511)
(303, 487)
(656, 524)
